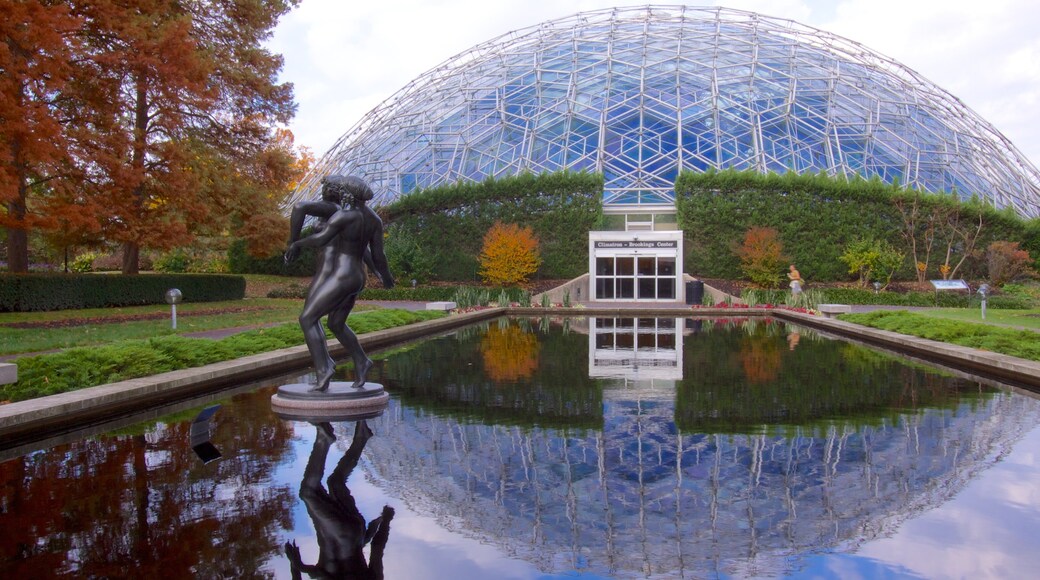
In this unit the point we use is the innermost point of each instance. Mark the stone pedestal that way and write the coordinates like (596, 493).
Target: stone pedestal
(341, 402)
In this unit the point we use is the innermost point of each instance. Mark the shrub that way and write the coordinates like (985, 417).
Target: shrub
(407, 258)
(291, 290)
(872, 259)
(761, 256)
(1006, 263)
(239, 261)
(83, 263)
(175, 261)
(510, 254)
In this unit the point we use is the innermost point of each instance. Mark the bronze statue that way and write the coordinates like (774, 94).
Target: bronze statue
(350, 236)
(338, 523)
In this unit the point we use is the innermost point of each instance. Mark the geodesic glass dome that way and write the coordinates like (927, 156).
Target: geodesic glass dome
(640, 94)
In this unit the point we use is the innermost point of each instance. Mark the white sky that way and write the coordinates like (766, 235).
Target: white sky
(345, 58)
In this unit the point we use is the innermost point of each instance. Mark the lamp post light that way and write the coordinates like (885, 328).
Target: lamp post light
(983, 291)
(877, 287)
(173, 298)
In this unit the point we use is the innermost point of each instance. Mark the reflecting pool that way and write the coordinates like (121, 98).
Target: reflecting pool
(569, 447)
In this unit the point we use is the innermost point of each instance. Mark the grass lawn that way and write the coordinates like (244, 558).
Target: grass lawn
(1011, 318)
(68, 328)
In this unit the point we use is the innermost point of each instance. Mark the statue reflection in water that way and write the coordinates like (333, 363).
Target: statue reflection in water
(340, 527)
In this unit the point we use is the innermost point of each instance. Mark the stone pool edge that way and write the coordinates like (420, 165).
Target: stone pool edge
(95, 404)
(1017, 371)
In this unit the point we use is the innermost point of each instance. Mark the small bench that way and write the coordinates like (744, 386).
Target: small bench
(8, 373)
(832, 310)
(441, 306)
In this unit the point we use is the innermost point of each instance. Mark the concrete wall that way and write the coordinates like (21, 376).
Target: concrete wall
(578, 288)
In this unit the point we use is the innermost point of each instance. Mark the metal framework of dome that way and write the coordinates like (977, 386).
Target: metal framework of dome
(640, 94)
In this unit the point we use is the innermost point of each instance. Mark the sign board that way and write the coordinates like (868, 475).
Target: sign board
(949, 285)
(634, 245)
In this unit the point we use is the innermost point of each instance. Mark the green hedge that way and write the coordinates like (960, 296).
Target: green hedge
(817, 216)
(34, 292)
(448, 223)
(944, 299)
(419, 294)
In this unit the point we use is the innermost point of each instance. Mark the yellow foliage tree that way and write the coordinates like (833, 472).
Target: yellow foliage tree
(510, 254)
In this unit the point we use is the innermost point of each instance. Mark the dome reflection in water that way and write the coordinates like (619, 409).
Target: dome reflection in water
(538, 447)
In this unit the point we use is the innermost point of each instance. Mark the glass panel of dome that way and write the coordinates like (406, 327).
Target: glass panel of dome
(631, 50)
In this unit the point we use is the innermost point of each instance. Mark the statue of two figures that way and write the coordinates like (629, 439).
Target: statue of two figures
(348, 235)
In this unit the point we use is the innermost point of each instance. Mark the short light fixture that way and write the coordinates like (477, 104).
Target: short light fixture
(983, 291)
(173, 298)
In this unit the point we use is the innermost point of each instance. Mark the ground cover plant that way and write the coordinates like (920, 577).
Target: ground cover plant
(1018, 343)
(1011, 318)
(79, 368)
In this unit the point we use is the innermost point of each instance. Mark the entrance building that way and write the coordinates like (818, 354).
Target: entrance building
(641, 262)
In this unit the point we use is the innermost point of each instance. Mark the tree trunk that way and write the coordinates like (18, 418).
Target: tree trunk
(131, 249)
(17, 248)
(17, 236)
(131, 255)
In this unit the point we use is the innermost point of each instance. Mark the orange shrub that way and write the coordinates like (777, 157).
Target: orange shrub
(510, 255)
(1007, 262)
(762, 256)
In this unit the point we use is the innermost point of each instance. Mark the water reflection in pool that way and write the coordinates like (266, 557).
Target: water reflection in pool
(533, 447)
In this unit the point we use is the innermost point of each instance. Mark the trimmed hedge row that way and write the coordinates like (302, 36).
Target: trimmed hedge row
(419, 294)
(817, 216)
(447, 224)
(35, 292)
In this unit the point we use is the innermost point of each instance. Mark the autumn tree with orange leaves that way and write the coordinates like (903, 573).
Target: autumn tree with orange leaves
(42, 124)
(179, 101)
(509, 255)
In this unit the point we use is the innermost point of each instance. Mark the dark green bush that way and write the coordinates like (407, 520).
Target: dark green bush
(240, 262)
(817, 216)
(35, 292)
(418, 294)
(175, 261)
(448, 223)
(406, 293)
(943, 299)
